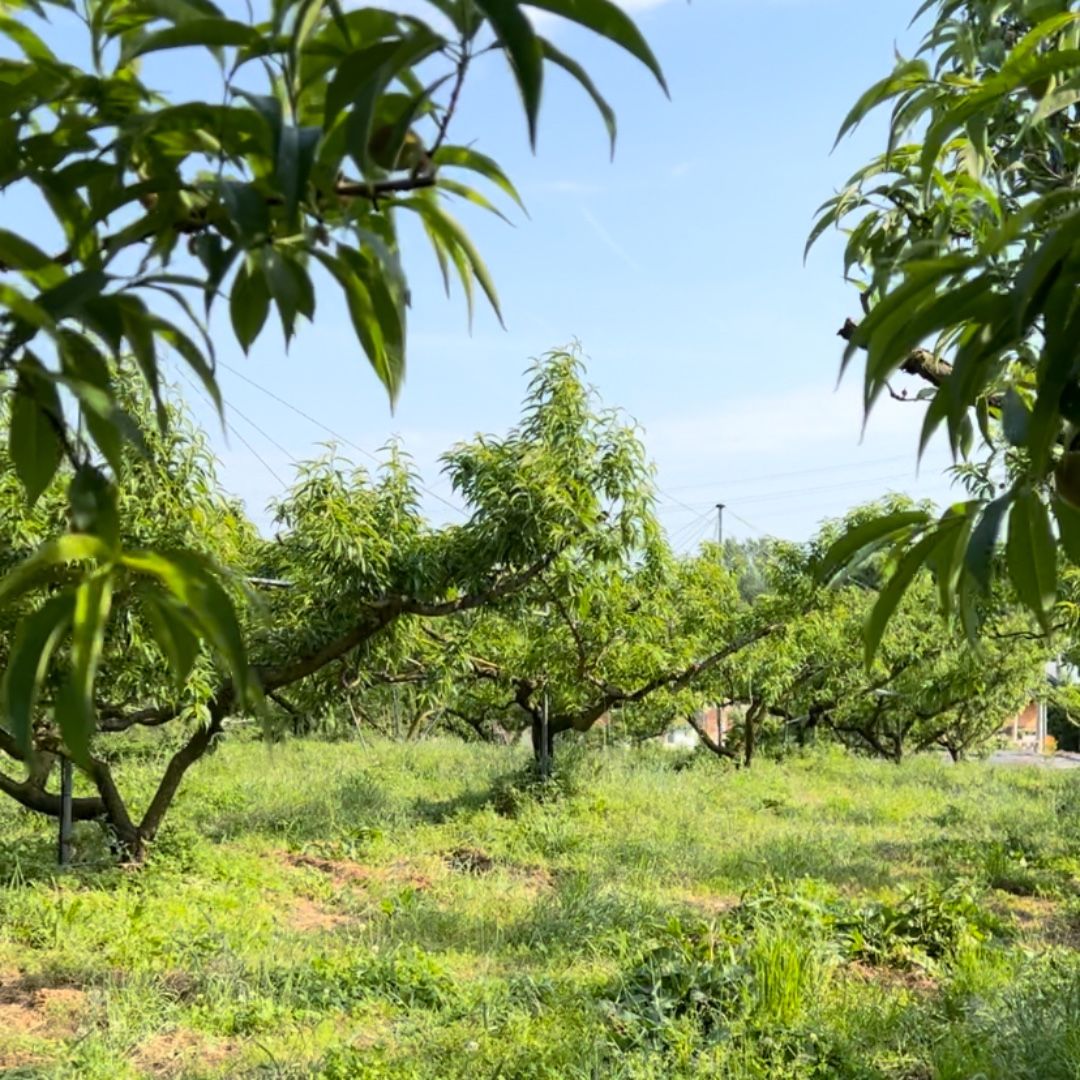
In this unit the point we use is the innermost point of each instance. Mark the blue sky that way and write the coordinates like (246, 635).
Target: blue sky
(678, 267)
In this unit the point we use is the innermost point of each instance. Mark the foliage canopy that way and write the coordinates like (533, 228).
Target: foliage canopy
(323, 127)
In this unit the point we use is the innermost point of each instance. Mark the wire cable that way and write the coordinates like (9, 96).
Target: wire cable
(796, 472)
(232, 429)
(331, 432)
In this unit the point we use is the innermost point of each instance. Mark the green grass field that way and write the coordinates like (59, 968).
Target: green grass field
(419, 911)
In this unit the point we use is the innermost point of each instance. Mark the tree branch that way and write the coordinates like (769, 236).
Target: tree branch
(673, 681)
(34, 797)
(197, 221)
(179, 763)
(710, 744)
(112, 718)
(920, 362)
(510, 584)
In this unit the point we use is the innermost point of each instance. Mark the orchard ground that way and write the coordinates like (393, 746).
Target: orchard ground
(424, 911)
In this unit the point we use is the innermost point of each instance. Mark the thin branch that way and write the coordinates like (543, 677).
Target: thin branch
(451, 105)
(673, 681)
(372, 190)
(505, 587)
(112, 718)
(716, 747)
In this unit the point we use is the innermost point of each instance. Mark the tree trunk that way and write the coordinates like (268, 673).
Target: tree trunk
(537, 728)
(753, 714)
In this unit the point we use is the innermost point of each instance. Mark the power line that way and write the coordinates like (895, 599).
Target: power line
(330, 431)
(687, 530)
(743, 521)
(255, 453)
(770, 496)
(694, 538)
(269, 438)
(799, 492)
(830, 507)
(797, 472)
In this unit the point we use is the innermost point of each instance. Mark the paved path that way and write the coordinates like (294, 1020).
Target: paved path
(1060, 760)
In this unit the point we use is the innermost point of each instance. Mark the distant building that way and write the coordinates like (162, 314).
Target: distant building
(714, 721)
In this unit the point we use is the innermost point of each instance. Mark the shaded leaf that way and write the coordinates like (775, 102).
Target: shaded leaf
(1031, 555)
(33, 435)
(36, 639)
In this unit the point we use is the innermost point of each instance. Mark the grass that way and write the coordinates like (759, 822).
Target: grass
(333, 911)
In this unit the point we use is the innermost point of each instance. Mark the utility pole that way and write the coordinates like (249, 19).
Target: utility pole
(720, 523)
(64, 846)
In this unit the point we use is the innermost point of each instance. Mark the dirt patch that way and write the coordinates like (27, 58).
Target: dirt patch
(712, 905)
(469, 861)
(536, 877)
(308, 917)
(474, 861)
(19, 1059)
(39, 1005)
(914, 979)
(1040, 921)
(174, 1052)
(345, 872)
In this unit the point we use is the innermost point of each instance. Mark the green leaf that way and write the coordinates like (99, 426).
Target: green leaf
(296, 153)
(75, 712)
(33, 439)
(31, 45)
(517, 37)
(573, 68)
(608, 20)
(462, 157)
(356, 72)
(1068, 519)
(190, 352)
(269, 108)
(178, 642)
(68, 297)
(51, 556)
(36, 639)
(93, 501)
(893, 592)
(945, 563)
(463, 191)
(361, 80)
(86, 375)
(1015, 417)
(906, 75)
(365, 319)
(138, 329)
(27, 311)
(191, 579)
(869, 534)
(459, 246)
(216, 260)
(17, 253)
(246, 207)
(210, 33)
(249, 303)
(979, 557)
(290, 288)
(1031, 555)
